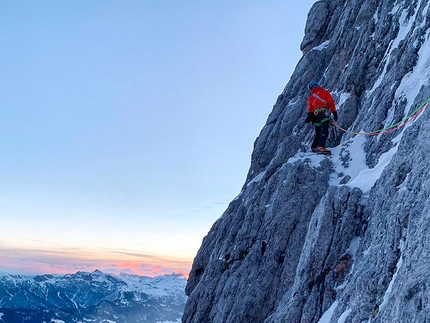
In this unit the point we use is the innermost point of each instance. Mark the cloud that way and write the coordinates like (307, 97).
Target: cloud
(131, 253)
(44, 261)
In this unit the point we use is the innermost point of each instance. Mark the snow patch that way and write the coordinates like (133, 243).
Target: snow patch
(322, 46)
(423, 22)
(353, 247)
(402, 186)
(311, 159)
(257, 178)
(389, 290)
(326, 317)
(367, 178)
(349, 159)
(376, 18)
(405, 27)
(344, 316)
(412, 82)
(343, 98)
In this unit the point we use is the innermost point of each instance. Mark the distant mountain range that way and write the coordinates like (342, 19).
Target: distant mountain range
(93, 297)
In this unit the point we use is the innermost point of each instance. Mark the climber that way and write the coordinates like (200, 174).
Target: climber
(320, 108)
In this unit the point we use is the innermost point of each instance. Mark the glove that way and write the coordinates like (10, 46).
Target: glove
(335, 116)
(309, 118)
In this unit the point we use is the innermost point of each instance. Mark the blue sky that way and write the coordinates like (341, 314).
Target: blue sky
(126, 127)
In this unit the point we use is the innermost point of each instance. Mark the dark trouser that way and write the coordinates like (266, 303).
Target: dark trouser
(321, 134)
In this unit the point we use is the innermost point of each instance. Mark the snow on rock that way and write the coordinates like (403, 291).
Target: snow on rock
(322, 46)
(257, 178)
(167, 285)
(367, 177)
(316, 238)
(326, 317)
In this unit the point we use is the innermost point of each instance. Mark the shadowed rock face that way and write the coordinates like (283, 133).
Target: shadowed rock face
(297, 241)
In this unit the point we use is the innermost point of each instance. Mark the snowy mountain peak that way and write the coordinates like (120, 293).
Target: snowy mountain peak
(92, 297)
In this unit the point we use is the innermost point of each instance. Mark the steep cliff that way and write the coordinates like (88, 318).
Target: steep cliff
(343, 238)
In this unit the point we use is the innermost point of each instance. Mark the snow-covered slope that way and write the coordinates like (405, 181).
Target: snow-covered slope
(343, 238)
(91, 297)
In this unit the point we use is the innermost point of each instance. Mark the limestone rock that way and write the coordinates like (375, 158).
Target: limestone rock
(343, 238)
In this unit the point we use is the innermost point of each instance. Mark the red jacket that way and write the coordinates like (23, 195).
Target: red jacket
(320, 98)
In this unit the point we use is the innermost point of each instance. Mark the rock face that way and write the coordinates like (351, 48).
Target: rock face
(343, 238)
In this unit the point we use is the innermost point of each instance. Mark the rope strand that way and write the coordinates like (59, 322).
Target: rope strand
(391, 128)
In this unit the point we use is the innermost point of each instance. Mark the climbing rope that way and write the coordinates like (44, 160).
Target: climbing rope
(391, 128)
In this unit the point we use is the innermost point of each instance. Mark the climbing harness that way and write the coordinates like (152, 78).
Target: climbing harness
(322, 111)
(391, 128)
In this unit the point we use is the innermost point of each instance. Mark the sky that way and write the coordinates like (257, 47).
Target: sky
(126, 127)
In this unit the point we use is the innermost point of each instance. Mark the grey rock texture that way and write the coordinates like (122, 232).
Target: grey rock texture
(306, 240)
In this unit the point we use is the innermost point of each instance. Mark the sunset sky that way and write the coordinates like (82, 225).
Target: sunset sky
(126, 127)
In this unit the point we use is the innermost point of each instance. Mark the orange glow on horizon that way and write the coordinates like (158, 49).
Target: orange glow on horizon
(37, 262)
